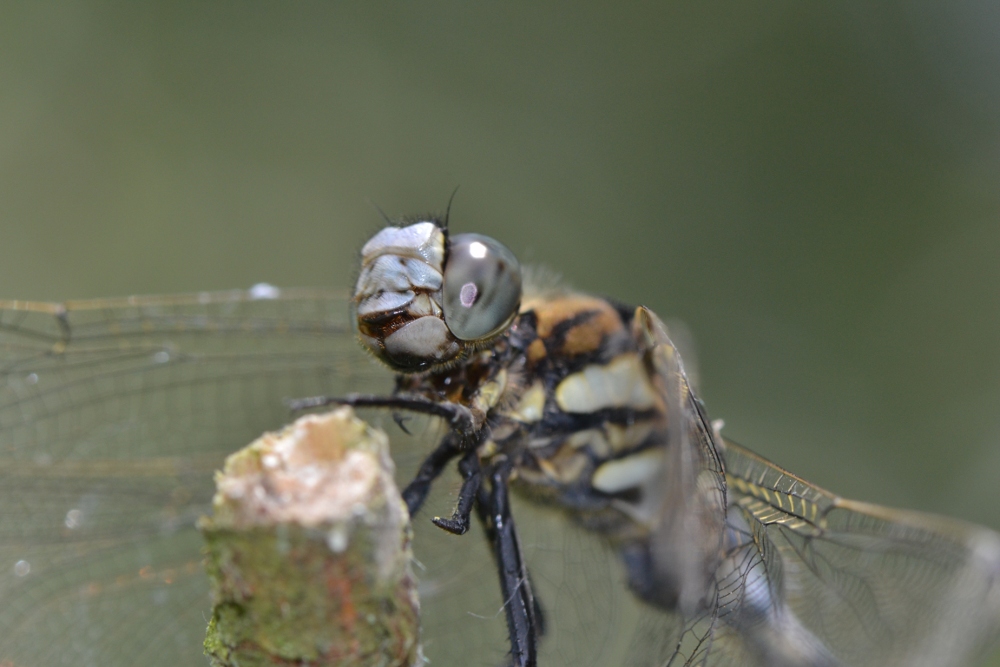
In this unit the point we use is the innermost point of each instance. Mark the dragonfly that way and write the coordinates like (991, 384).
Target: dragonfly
(570, 418)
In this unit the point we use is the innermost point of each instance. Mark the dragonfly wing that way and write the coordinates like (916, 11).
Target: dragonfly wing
(871, 585)
(686, 509)
(763, 568)
(113, 416)
(690, 494)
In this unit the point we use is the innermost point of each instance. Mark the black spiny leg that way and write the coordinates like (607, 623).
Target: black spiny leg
(525, 621)
(472, 477)
(459, 417)
(523, 617)
(416, 491)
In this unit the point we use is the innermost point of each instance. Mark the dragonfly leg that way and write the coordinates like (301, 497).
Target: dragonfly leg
(459, 417)
(401, 420)
(524, 623)
(416, 491)
(472, 478)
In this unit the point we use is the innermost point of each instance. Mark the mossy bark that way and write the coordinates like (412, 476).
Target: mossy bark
(309, 552)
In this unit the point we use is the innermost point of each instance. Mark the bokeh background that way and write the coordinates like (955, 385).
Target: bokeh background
(812, 189)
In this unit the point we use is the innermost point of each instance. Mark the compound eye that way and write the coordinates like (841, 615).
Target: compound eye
(482, 286)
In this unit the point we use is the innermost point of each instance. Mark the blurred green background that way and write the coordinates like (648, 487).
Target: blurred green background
(813, 189)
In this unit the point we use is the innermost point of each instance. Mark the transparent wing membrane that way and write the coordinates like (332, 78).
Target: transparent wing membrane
(875, 586)
(806, 579)
(686, 537)
(113, 416)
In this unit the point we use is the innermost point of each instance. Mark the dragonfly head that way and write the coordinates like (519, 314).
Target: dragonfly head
(424, 298)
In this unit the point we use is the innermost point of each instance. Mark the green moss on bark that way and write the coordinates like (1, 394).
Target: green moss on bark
(304, 573)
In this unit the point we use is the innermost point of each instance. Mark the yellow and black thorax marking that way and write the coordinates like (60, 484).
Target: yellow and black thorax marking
(565, 395)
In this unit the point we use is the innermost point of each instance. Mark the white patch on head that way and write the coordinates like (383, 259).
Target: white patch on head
(383, 302)
(397, 264)
(426, 337)
(387, 273)
(422, 240)
(423, 306)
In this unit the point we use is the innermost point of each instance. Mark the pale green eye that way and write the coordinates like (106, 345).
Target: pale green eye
(482, 286)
